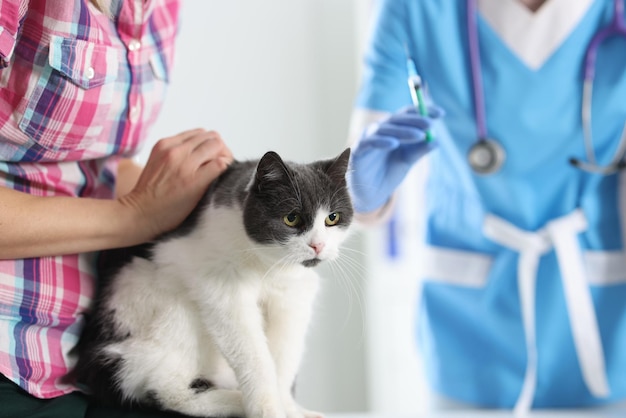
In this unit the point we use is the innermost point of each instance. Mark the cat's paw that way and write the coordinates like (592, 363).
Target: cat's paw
(296, 411)
(303, 413)
(311, 414)
(266, 413)
(266, 410)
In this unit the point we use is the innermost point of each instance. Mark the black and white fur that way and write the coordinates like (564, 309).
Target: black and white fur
(210, 319)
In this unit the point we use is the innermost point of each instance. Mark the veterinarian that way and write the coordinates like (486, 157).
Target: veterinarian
(524, 262)
(81, 82)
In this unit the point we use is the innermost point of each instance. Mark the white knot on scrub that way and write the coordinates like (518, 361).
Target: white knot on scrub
(562, 235)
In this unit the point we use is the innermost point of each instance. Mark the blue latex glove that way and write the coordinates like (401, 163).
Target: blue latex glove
(385, 154)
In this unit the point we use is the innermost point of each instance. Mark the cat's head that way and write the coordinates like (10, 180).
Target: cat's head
(304, 209)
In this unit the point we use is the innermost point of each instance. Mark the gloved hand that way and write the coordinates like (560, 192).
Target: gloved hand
(384, 155)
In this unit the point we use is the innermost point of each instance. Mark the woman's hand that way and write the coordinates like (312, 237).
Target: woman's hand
(177, 174)
(384, 155)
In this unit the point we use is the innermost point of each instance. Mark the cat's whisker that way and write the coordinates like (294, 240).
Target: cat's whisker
(280, 264)
(288, 260)
(343, 282)
(347, 282)
(356, 283)
(252, 250)
(353, 250)
(354, 267)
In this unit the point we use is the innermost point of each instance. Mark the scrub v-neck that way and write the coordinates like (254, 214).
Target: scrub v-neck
(533, 36)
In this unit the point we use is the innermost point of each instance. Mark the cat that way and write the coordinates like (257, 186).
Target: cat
(210, 319)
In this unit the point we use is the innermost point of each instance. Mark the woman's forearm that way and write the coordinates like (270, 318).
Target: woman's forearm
(32, 226)
(149, 202)
(128, 173)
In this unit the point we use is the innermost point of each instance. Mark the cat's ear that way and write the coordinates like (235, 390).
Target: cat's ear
(336, 169)
(271, 168)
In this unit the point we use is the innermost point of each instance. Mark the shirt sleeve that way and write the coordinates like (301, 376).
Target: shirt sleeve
(11, 14)
(384, 78)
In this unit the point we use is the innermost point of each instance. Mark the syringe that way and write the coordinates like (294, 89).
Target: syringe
(415, 86)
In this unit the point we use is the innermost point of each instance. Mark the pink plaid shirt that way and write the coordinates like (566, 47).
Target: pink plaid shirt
(78, 91)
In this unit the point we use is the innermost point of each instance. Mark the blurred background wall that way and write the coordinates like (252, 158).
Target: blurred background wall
(282, 75)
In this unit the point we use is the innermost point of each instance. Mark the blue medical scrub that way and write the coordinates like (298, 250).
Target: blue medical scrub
(531, 226)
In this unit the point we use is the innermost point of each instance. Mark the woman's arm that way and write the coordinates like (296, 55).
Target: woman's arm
(128, 173)
(173, 181)
(32, 226)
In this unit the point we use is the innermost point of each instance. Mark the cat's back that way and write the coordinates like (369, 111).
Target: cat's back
(230, 188)
(227, 193)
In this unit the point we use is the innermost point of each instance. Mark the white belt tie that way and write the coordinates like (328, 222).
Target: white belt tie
(562, 234)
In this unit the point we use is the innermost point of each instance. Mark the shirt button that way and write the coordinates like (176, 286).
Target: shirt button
(90, 73)
(134, 113)
(134, 45)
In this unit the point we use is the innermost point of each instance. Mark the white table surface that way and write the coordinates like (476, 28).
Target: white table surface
(589, 413)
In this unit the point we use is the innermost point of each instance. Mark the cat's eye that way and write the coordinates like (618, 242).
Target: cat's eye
(332, 219)
(293, 219)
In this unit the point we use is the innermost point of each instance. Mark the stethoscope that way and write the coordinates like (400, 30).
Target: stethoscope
(486, 155)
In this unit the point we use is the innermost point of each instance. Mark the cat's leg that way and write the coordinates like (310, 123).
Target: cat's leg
(163, 362)
(168, 382)
(235, 323)
(288, 314)
(166, 374)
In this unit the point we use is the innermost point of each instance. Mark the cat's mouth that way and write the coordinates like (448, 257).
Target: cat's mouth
(311, 263)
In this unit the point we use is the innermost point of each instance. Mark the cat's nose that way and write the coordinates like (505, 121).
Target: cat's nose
(317, 247)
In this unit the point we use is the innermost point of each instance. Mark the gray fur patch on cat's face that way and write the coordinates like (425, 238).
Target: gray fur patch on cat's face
(280, 189)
